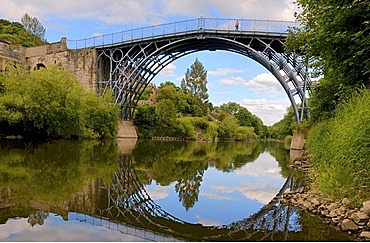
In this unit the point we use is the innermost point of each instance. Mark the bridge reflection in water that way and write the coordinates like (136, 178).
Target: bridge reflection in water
(124, 205)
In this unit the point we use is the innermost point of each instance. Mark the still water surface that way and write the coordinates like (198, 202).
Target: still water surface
(151, 191)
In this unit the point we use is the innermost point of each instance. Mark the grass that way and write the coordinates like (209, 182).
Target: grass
(340, 150)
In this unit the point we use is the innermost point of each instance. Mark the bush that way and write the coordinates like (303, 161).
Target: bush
(185, 128)
(340, 150)
(52, 103)
(245, 133)
(211, 131)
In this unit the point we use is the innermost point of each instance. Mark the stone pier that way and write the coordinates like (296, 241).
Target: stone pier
(126, 129)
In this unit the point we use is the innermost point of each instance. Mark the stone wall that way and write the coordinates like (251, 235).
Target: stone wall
(9, 54)
(81, 62)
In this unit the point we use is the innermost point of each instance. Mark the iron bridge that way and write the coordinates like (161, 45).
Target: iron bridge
(127, 61)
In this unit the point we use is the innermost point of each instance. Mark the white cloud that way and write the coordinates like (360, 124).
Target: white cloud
(264, 166)
(157, 192)
(204, 221)
(129, 11)
(96, 35)
(270, 111)
(216, 196)
(265, 83)
(224, 71)
(56, 230)
(147, 12)
(262, 191)
(250, 9)
(168, 71)
(232, 81)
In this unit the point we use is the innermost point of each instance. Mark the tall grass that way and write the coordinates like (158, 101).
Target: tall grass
(340, 150)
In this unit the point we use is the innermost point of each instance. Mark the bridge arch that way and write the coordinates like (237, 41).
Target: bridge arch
(128, 68)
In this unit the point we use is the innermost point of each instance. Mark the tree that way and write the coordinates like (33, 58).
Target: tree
(33, 26)
(52, 103)
(195, 84)
(166, 110)
(146, 117)
(169, 90)
(285, 127)
(245, 118)
(15, 33)
(336, 35)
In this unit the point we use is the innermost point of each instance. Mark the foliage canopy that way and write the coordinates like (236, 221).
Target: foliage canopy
(336, 35)
(195, 85)
(52, 103)
(16, 33)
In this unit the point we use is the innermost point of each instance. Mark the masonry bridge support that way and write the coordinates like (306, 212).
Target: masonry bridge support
(81, 62)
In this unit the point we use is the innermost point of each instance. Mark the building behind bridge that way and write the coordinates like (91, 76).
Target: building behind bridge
(9, 54)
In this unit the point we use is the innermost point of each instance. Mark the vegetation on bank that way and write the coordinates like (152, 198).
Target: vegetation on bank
(335, 38)
(51, 103)
(340, 150)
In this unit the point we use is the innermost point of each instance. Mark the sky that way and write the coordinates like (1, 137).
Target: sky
(230, 77)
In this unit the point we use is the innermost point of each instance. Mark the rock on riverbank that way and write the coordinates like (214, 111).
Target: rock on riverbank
(354, 221)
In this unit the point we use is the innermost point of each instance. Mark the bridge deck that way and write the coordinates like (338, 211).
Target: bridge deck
(188, 27)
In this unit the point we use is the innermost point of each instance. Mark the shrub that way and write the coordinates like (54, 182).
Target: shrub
(185, 128)
(52, 103)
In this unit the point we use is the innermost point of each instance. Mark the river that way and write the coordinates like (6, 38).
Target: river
(144, 190)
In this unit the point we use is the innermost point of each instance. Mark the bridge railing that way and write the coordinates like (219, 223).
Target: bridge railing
(180, 27)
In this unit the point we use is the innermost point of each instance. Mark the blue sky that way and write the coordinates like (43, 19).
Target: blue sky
(231, 77)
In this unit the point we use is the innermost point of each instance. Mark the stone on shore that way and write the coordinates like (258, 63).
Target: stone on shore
(360, 218)
(365, 234)
(348, 224)
(366, 207)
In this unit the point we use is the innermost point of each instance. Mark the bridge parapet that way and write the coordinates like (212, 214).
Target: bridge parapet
(181, 27)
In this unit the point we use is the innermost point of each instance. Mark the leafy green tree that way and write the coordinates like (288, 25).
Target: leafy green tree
(52, 103)
(170, 91)
(228, 127)
(245, 118)
(146, 117)
(336, 35)
(15, 33)
(166, 110)
(195, 84)
(33, 26)
(285, 127)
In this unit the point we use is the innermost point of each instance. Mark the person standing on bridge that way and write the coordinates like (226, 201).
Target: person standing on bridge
(237, 25)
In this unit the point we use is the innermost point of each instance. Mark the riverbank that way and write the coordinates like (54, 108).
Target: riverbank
(340, 214)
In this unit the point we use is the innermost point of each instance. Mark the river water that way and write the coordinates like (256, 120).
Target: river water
(128, 190)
